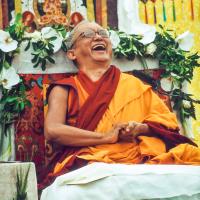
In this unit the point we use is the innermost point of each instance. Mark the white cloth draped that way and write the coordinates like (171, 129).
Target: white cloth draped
(102, 181)
(23, 65)
(77, 6)
(7, 143)
(128, 15)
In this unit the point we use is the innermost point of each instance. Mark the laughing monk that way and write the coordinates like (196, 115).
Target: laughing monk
(103, 115)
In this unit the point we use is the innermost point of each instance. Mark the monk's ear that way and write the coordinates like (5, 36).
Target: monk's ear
(71, 54)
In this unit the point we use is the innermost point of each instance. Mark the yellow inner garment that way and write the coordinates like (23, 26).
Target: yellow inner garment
(132, 94)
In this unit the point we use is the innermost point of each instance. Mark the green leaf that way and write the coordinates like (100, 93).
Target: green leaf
(51, 60)
(50, 45)
(37, 52)
(28, 45)
(64, 47)
(34, 59)
(52, 38)
(11, 99)
(22, 106)
(28, 103)
(6, 65)
(37, 64)
(43, 65)
(16, 107)
(18, 18)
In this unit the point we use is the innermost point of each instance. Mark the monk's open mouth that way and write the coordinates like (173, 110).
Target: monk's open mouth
(99, 47)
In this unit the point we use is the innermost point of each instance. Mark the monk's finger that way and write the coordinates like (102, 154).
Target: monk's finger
(121, 125)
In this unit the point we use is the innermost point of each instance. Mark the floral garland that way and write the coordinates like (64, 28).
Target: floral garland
(13, 99)
(173, 54)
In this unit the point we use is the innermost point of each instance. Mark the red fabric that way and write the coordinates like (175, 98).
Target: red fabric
(98, 12)
(112, 14)
(74, 163)
(92, 113)
(100, 96)
(29, 135)
(30, 142)
(171, 137)
(70, 84)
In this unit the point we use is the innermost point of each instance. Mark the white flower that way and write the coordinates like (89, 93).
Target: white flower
(35, 36)
(186, 104)
(7, 44)
(166, 84)
(147, 32)
(67, 35)
(185, 41)
(9, 77)
(114, 39)
(48, 32)
(151, 48)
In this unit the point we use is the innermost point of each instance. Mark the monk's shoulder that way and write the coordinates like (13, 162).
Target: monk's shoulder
(133, 83)
(61, 86)
(65, 81)
(129, 88)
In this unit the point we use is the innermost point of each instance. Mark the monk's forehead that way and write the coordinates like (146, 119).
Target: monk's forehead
(82, 27)
(87, 25)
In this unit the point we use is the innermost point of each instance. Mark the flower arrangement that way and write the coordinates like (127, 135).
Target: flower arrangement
(12, 89)
(172, 52)
(45, 43)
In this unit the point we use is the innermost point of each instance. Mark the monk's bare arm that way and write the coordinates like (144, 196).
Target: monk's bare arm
(56, 129)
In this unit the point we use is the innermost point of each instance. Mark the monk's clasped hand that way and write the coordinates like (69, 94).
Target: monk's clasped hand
(132, 129)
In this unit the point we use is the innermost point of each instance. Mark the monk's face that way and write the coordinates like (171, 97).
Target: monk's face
(91, 45)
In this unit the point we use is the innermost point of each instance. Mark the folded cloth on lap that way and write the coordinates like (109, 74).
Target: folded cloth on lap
(119, 181)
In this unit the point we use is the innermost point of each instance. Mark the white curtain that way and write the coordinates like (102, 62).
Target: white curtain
(128, 15)
(7, 143)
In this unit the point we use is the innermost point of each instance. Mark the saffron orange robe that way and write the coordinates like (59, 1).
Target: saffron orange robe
(134, 101)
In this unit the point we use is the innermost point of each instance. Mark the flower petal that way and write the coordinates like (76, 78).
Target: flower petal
(11, 77)
(4, 35)
(115, 40)
(185, 41)
(57, 44)
(183, 35)
(48, 32)
(166, 84)
(9, 46)
(148, 38)
(147, 32)
(151, 48)
(35, 36)
(186, 104)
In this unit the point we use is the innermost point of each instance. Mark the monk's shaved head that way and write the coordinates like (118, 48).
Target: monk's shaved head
(73, 35)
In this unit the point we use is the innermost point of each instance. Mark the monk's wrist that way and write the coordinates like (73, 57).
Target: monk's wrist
(102, 138)
(145, 128)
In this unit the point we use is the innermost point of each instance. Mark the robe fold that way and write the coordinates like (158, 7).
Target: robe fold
(118, 97)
